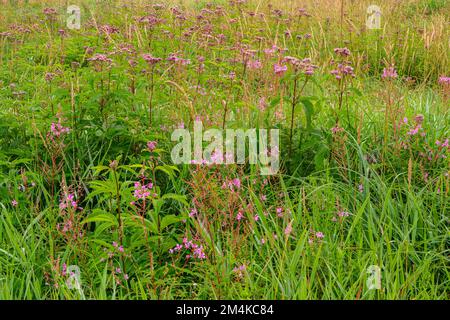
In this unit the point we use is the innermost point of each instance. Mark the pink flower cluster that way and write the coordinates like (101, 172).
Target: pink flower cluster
(151, 145)
(340, 214)
(262, 104)
(233, 185)
(196, 251)
(68, 201)
(288, 229)
(344, 52)
(272, 50)
(279, 69)
(389, 73)
(174, 58)
(201, 162)
(151, 60)
(65, 227)
(69, 229)
(336, 129)
(216, 157)
(418, 127)
(57, 129)
(444, 144)
(98, 57)
(239, 271)
(49, 11)
(444, 80)
(343, 70)
(193, 212)
(279, 211)
(67, 206)
(304, 65)
(107, 29)
(142, 191)
(152, 20)
(254, 64)
(316, 236)
(49, 76)
(120, 248)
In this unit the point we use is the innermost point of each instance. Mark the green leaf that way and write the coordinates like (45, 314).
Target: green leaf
(169, 170)
(101, 216)
(169, 220)
(308, 107)
(177, 197)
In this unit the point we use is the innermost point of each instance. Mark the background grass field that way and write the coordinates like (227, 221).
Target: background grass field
(364, 178)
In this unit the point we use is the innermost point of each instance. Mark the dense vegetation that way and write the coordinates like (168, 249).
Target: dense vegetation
(86, 177)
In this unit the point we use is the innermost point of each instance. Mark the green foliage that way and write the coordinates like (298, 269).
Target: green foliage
(364, 176)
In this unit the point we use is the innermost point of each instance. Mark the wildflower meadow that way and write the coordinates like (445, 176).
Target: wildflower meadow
(224, 149)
